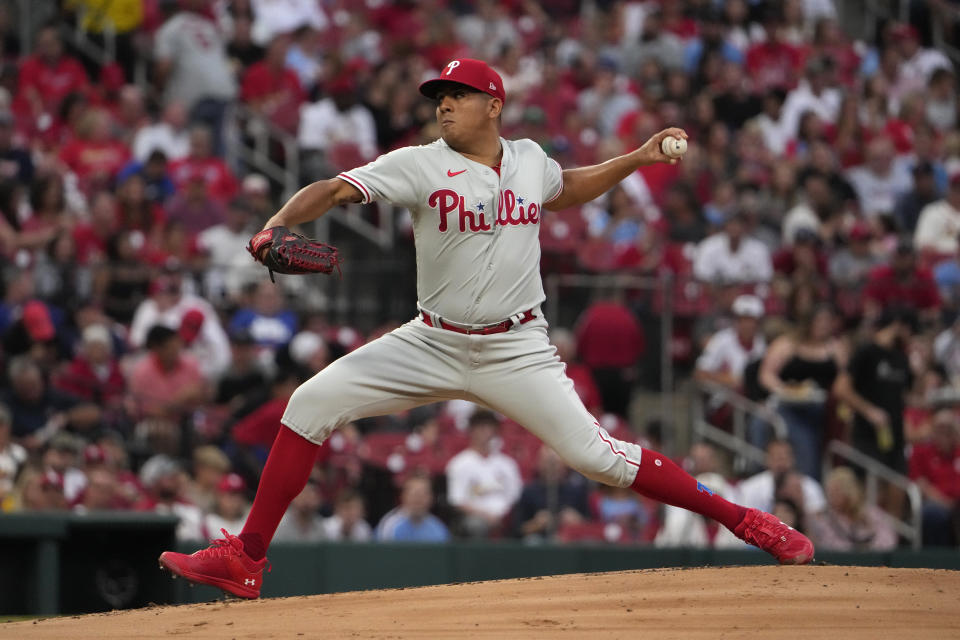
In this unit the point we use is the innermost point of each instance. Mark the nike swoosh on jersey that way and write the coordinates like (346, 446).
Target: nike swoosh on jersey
(451, 173)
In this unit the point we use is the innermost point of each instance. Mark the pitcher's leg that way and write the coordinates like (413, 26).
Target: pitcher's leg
(394, 373)
(525, 380)
(532, 389)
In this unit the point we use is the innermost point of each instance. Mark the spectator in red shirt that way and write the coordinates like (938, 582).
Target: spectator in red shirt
(273, 90)
(49, 215)
(610, 343)
(166, 386)
(579, 374)
(221, 183)
(94, 155)
(195, 208)
(774, 63)
(92, 237)
(902, 283)
(46, 77)
(935, 467)
(94, 374)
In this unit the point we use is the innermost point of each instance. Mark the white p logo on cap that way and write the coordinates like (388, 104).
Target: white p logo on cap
(453, 65)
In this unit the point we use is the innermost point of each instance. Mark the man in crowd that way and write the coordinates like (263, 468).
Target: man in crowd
(759, 490)
(412, 521)
(482, 483)
(935, 467)
(729, 351)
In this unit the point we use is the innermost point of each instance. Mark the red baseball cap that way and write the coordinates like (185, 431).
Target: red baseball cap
(190, 325)
(232, 482)
(37, 322)
(473, 73)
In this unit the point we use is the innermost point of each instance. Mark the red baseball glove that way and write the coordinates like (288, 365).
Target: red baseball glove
(289, 252)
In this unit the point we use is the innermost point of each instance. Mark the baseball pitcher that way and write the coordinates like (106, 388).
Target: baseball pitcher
(480, 335)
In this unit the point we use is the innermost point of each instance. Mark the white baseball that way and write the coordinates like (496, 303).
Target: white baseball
(673, 147)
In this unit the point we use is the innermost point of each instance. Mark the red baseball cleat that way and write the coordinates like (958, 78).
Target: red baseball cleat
(784, 543)
(223, 564)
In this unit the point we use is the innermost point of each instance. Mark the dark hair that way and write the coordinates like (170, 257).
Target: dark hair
(776, 442)
(159, 336)
(39, 189)
(483, 416)
(8, 190)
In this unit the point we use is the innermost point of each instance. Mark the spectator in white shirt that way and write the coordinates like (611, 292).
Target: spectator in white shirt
(12, 455)
(758, 491)
(336, 132)
(731, 256)
(879, 181)
(815, 94)
(941, 100)
(274, 17)
(482, 483)
(919, 62)
(168, 135)
(229, 267)
(730, 350)
(167, 306)
(347, 522)
(939, 223)
(686, 529)
(770, 122)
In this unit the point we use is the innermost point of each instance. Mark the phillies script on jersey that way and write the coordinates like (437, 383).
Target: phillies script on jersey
(446, 201)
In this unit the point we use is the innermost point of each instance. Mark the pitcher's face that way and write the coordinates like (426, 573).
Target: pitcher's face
(463, 113)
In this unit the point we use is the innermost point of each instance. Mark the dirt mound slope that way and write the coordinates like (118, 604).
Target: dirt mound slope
(732, 602)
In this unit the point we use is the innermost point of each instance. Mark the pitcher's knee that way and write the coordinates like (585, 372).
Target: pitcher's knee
(604, 459)
(604, 467)
(305, 413)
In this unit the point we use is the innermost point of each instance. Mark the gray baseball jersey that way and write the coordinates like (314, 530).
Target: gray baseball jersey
(478, 259)
(477, 233)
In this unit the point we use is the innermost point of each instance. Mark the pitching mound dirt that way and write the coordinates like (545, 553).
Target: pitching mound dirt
(735, 602)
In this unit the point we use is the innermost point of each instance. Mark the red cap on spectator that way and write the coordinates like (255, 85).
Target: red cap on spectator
(904, 32)
(473, 73)
(111, 77)
(52, 480)
(232, 482)
(94, 454)
(190, 325)
(343, 83)
(955, 178)
(37, 322)
(164, 284)
(861, 231)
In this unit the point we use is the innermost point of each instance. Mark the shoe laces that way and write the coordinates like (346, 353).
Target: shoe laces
(768, 534)
(221, 547)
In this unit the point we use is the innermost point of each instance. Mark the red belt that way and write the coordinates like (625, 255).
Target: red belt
(499, 327)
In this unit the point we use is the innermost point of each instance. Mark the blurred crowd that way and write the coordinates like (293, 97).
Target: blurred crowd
(808, 245)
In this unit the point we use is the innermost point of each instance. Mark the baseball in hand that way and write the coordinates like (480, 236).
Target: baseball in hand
(673, 147)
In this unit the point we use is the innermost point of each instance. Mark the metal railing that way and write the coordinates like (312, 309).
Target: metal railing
(264, 136)
(912, 528)
(744, 410)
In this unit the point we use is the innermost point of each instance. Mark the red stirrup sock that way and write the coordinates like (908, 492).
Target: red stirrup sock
(662, 480)
(284, 477)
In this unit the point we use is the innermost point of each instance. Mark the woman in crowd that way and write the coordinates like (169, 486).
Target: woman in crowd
(798, 370)
(849, 523)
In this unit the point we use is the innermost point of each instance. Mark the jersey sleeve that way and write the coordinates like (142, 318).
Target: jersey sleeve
(165, 42)
(394, 177)
(552, 179)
